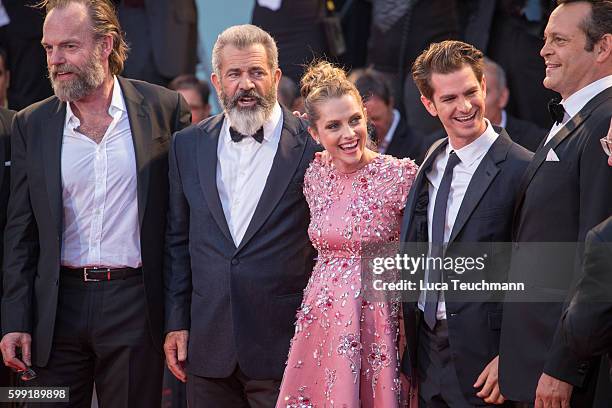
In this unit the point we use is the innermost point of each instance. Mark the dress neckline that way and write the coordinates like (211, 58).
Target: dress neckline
(335, 170)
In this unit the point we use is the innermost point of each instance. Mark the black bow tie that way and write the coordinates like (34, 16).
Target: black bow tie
(557, 112)
(237, 136)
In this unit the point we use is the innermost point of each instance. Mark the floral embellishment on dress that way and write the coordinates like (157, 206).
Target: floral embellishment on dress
(350, 347)
(299, 401)
(378, 359)
(304, 318)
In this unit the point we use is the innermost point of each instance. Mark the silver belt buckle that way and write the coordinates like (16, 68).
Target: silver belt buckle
(86, 277)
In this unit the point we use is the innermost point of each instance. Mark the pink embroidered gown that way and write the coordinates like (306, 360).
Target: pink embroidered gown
(344, 352)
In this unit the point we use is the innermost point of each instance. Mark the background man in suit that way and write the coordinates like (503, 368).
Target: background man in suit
(522, 132)
(463, 193)
(6, 116)
(391, 130)
(26, 58)
(162, 36)
(85, 225)
(237, 251)
(196, 93)
(566, 190)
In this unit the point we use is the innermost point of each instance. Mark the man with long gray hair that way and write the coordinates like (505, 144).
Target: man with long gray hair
(237, 250)
(86, 217)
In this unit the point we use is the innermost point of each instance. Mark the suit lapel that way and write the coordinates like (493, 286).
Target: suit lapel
(481, 180)
(52, 152)
(562, 134)
(207, 171)
(286, 161)
(420, 178)
(142, 137)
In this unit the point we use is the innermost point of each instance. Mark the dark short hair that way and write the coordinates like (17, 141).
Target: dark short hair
(104, 22)
(370, 82)
(189, 81)
(444, 58)
(598, 23)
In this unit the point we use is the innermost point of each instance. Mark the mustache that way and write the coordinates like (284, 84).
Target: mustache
(251, 93)
(65, 68)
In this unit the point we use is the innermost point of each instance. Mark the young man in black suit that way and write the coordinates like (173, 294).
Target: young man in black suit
(464, 193)
(238, 254)
(566, 191)
(83, 293)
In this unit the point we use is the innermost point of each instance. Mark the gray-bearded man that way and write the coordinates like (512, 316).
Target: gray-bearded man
(237, 251)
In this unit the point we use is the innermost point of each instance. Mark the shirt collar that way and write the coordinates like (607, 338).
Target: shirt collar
(394, 123)
(504, 119)
(478, 148)
(117, 105)
(575, 102)
(269, 126)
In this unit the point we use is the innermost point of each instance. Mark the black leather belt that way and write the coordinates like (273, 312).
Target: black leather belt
(98, 274)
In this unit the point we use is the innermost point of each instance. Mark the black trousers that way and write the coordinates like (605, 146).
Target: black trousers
(438, 382)
(102, 336)
(235, 391)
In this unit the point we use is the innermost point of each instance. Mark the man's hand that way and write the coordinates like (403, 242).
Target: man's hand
(175, 348)
(490, 392)
(552, 393)
(9, 345)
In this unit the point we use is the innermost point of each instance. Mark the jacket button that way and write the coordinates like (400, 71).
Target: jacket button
(235, 261)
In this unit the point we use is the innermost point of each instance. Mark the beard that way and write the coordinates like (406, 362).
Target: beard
(86, 78)
(248, 120)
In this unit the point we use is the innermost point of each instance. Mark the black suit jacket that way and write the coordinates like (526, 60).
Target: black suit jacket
(406, 143)
(559, 202)
(527, 134)
(587, 323)
(6, 116)
(485, 216)
(238, 303)
(34, 221)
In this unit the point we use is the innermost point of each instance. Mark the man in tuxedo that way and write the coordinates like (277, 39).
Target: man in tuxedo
(163, 38)
(237, 251)
(566, 191)
(523, 132)
(392, 133)
(464, 193)
(86, 217)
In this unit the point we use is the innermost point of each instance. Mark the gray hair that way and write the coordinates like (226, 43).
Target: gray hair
(500, 74)
(243, 36)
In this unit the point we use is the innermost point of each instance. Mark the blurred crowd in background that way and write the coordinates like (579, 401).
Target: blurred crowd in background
(377, 40)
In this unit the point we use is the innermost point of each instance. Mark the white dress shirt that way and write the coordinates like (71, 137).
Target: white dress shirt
(384, 145)
(99, 193)
(577, 100)
(242, 171)
(470, 156)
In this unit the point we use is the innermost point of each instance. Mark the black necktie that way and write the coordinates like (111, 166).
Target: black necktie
(437, 238)
(557, 112)
(237, 136)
